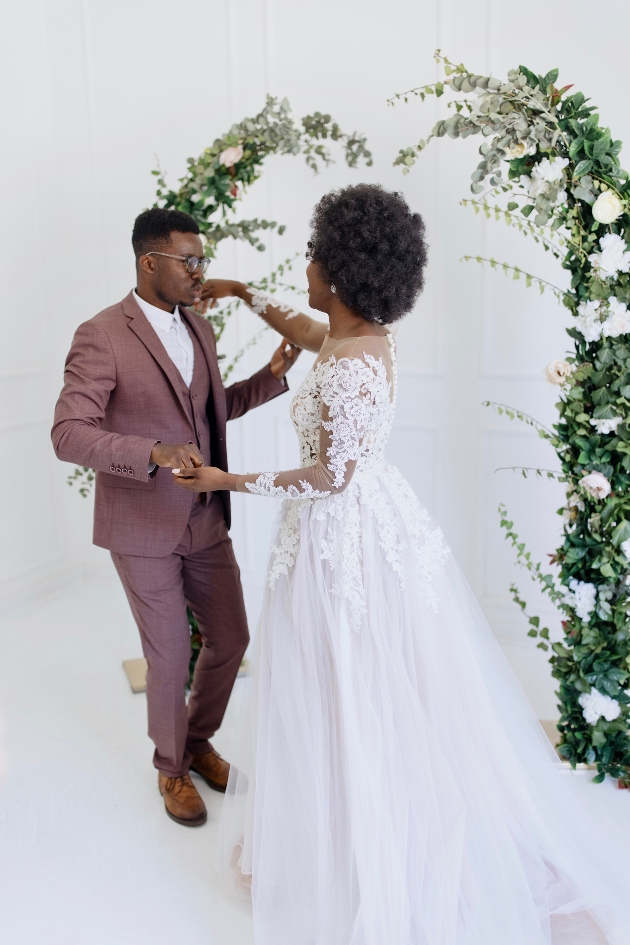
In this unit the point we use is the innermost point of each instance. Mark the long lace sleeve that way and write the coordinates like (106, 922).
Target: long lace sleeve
(300, 329)
(355, 391)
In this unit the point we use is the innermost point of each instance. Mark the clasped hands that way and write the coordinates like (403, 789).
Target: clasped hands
(189, 471)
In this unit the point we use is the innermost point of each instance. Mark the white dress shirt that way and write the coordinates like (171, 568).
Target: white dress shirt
(172, 332)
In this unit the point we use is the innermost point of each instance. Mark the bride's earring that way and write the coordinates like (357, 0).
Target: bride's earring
(333, 288)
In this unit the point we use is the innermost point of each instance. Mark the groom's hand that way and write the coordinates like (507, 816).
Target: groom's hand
(187, 456)
(284, 358)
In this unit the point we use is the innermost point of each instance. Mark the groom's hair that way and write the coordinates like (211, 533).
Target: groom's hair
(153, 228)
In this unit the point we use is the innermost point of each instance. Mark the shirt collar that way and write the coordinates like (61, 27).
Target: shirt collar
(157, 316)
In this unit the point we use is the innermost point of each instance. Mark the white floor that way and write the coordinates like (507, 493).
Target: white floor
(87, 855)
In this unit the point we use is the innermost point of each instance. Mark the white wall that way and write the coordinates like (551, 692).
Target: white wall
(92, 91)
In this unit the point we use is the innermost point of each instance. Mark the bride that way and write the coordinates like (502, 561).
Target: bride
(392, 785)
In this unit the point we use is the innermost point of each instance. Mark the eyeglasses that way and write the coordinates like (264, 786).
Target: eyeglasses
(191, 261)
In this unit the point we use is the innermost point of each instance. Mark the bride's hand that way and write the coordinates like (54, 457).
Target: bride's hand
(213, 289)
(205, 479)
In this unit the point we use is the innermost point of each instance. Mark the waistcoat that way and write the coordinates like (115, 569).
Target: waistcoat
(198, 399)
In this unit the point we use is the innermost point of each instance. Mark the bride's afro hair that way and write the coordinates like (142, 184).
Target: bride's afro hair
(370, 245)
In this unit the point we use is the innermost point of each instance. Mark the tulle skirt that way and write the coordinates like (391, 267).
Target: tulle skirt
(390, 783)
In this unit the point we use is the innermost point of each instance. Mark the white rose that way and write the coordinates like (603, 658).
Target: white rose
(596, 485)
(231, 156)
(607, 207)
(557, 372)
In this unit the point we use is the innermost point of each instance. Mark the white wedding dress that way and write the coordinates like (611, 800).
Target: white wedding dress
(390, 783)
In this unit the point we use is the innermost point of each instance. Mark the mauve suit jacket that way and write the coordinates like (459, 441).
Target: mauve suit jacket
(122, 394)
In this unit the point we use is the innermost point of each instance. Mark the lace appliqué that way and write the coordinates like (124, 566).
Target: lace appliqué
(260, 301)
(431, 551)
(284, 552)
(357, 395)
(264, 485)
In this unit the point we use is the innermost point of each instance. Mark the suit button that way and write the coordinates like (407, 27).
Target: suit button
(189, 443)
(131, 472)
(197, 415)
(194, 397)
(112, 469)
(118, 469)
(198, 434)
(124, 471)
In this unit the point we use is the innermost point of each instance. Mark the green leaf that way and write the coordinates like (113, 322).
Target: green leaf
(575, 147)
(532, 80)
(621, 532)
(582, 168)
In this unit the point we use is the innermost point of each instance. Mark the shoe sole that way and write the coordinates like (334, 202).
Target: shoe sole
(187, 823)
(213, 784)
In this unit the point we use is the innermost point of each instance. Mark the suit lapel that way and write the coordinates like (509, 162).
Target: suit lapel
(210, 354)
(141, 326)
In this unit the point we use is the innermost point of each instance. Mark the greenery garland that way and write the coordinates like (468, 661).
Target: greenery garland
(545, 155)
(216, 180)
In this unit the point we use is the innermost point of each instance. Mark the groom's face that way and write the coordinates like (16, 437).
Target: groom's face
(170, 279)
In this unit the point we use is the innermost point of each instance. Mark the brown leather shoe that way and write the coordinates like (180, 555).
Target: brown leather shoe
(182, 800)
(213, 769)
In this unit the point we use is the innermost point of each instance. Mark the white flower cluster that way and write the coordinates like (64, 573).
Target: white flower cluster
(606, 426)
(625, 547)
(546, 172)
(609, 319)
(582, 598)
(613, 257)
(595, 704)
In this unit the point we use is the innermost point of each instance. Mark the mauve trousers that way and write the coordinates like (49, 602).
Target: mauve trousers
(202, 572)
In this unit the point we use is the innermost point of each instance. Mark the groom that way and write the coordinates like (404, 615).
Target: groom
(143, 395)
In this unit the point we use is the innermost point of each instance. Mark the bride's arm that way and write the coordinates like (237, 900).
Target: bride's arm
(299, 329)
(354, 392)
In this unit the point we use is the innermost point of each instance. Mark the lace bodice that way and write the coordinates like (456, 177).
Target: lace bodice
(343, 414)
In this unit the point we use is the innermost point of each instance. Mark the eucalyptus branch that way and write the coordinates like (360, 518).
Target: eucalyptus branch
(524, 470)
(523, 226)
(523, 558)
(544, 432)
(529, 278)
(83, 477)
(534, 622)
